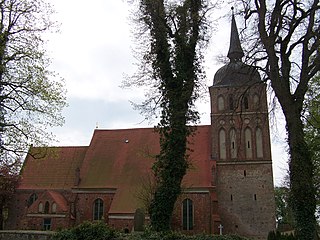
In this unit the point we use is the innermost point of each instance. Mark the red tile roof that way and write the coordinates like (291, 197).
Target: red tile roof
(123, 158)
(59, 200)
(51, 168)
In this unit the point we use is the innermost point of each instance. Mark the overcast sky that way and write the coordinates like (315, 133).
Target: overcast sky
(93, 52)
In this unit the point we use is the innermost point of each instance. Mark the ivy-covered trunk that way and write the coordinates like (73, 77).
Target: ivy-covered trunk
(302, 195)
(170, 168)
(175, 33)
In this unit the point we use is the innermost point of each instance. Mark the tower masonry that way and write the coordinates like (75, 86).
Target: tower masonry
(241, 146)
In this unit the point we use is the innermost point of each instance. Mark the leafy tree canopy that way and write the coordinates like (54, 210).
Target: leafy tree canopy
(31, 96)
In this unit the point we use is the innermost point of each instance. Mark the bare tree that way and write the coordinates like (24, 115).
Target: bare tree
(283, 39)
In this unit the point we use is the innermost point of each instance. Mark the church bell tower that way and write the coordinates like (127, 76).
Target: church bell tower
(241, 146)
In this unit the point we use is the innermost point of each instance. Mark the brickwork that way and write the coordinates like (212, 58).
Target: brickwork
(125, 225)
(22, 215)
(244, 182)
(84, 205)
(246, 203)
(202, 209)
(256, 116)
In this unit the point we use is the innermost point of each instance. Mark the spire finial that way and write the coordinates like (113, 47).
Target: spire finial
(235, 50)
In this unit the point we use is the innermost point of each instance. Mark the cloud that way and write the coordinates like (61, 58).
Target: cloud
(84, 115)
(92, 53)
(93, 49)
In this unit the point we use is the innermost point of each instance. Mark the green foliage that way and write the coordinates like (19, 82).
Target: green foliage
(278, 236)
(284, 213)
(87, 231)
(171, 235)
(312, 131)
(31, 96)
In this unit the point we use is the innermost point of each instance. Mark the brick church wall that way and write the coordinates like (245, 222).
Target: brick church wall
(84, 205)
(246, 203)
(203, 217)
(18, 213)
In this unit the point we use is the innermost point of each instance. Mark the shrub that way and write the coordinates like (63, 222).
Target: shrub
(278, 236)
(150, 235)
(87, 231)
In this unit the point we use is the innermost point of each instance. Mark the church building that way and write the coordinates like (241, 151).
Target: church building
(228, 188)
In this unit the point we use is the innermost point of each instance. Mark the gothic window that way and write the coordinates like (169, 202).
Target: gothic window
(222, 144)
(32, 199)
(54, 208)
(187, 214)
(220, 103)
(246, 102)
(97, 209)
(231, 103)
(248, 142)
(46, 207)
(259, 143)
(233, 143)
(40, 207)
(256, 101)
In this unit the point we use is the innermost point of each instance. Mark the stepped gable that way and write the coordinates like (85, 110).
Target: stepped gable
(52, 197)
(51, 167)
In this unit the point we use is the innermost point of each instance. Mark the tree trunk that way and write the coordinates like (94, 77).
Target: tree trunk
(171, 166)
(302, 195)
(1, 219)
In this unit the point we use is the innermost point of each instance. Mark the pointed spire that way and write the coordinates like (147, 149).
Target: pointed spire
(235, 51)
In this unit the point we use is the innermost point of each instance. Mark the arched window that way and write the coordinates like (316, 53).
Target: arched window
(220, 103)
(231, 103)
(233, 143)
(97, 209)
(256, 101)
(259, 143)
(40, 207)
(222, 144)
(187, 214)
(248, 142)
(54, 208)
(32, 199)
(246, 102)
(46, 207)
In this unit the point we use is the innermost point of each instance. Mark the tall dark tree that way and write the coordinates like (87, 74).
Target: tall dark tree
(285, 40)
(175, 34)
(312, 131)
